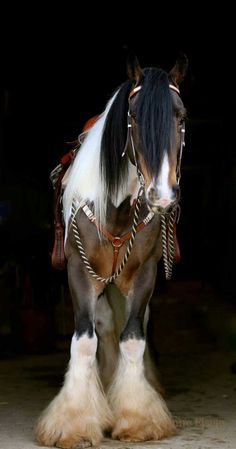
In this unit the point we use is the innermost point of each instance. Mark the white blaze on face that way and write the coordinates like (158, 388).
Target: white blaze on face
(161, 193)
(164, 190)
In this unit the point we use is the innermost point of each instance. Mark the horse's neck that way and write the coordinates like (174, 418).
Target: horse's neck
(120, 210)
(119, 219)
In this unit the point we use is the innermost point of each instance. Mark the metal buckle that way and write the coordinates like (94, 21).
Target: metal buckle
(117, 242)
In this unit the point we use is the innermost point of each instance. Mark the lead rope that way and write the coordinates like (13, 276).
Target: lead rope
(129, 245)
(167, 226)
(168, 242)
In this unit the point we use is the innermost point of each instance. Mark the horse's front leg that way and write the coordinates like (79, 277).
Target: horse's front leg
(80, 412)
(140, 412)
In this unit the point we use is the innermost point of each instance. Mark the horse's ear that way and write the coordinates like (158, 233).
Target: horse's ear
(178, 72)
(134, 70)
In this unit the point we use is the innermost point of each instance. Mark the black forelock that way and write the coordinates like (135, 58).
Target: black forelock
(154, 112)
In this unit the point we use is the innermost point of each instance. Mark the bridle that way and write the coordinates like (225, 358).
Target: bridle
(134, 158)
(168, 219)
(182, 140)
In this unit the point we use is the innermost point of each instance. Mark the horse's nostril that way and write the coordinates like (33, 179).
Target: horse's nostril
(152, 195)
(157, 200)
(176, 192)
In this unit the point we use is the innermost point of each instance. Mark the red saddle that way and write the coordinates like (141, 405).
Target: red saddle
(58, 259)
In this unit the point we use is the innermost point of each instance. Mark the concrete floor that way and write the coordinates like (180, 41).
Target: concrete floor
(193, 332)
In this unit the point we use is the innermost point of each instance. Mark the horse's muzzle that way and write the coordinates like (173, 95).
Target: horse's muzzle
(162, 205)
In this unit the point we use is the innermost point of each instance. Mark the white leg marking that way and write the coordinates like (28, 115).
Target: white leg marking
(80, 411)
(140, 413)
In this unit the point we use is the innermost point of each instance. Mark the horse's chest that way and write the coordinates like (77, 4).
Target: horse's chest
(105, 257)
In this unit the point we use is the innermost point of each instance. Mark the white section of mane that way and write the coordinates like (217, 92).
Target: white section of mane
(84, 181)
(84, 178)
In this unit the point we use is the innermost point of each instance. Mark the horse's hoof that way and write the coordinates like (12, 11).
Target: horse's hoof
(69, 444)
(133, 427)
(70, 441)
(82, 445)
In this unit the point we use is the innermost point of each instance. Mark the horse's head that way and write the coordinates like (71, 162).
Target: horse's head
(156, 119)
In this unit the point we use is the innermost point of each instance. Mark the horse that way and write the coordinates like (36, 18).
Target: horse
(122, 185)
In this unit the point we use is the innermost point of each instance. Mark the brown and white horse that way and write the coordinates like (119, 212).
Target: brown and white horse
(124, 176)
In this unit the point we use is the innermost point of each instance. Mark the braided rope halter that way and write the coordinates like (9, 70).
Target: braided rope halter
(168, 241)
(168, 220)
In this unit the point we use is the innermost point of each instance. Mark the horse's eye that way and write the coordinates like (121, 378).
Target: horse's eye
(134, 116)
(181, 116)
(182, 120)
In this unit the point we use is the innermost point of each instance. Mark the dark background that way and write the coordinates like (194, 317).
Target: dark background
(59, 68)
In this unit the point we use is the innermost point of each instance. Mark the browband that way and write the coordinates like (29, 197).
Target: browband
(136, 89)
(174, 88)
